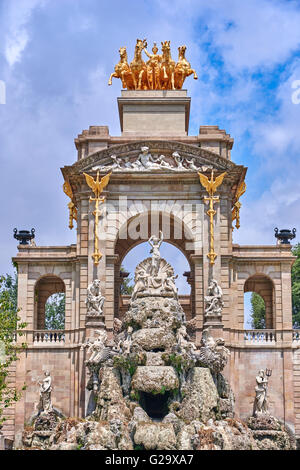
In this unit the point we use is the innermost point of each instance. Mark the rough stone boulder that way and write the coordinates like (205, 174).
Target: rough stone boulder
(270, 434)
(160, 436)
(155, 379)
(202, 399)
(111, 403)
(150, 339)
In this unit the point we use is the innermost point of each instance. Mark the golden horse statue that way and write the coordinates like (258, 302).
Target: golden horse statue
(182, 69)
(138, 66)
(167, 67)
(123, 71)
(160, 72)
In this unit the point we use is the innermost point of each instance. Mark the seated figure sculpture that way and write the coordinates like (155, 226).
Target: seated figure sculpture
(213, 300)
(95, 299)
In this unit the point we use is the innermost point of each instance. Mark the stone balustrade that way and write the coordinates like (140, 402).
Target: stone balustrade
(49, 336)
(296, 336)
(260, 337)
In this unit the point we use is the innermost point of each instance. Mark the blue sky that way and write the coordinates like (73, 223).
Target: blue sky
(55, 60)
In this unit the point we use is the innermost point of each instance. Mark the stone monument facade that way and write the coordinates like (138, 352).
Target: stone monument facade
(152, 191)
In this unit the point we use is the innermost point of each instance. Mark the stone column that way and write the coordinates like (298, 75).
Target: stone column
(198, 289)
(110, 292)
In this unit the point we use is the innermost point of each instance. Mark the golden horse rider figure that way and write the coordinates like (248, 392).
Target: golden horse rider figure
(160, 72)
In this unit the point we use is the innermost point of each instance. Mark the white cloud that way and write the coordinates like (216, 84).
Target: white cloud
(15, 22)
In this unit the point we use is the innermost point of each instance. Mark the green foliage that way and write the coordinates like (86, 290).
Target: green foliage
(129, 363)
(134, 395)
(296, 287)
(179, 362)
(258, 312)
(162, 391)
(126, 286)
(55, 312)
(10, 326)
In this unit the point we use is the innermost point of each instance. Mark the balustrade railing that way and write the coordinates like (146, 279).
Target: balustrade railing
(296, 336)
(49, 336)
(260, 337)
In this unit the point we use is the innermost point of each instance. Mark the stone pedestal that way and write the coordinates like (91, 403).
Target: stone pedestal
(154, 113)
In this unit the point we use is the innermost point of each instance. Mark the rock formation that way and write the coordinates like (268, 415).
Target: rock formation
(154, 389)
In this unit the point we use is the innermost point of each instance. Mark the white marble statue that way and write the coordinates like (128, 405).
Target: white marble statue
(140, 283)
(97, 349)
(214, 299)
(183, 340)
(260, 402)
(169, 283)
(155, 243)
(45, 404)
(179, 162)
(212, 352)
(95, 299)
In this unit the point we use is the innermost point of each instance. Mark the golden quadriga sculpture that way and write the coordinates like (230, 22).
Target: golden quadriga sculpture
(160, 72)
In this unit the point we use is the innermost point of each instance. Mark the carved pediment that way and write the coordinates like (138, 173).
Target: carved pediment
(159, 156)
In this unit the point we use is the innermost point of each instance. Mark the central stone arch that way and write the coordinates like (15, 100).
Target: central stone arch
(176, 231)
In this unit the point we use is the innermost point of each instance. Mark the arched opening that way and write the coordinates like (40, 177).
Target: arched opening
(175, 249)
(49, 297)
(258, 302)
(173, 256)
(55, 311)
(254, 311)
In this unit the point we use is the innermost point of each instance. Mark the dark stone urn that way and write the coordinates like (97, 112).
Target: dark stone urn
(24, 236)
(284, 235)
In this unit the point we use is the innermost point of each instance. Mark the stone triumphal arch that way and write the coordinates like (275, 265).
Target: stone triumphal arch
(152, 185)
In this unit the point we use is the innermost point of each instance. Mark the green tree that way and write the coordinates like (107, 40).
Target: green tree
(296, 287)
(55, 312)
(258, 312)
(10, 326)
(126, 286)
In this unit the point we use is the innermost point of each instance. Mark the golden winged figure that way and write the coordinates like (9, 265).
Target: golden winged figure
(240, 190)
(211, 185)
(67, 189)
(72, 208)
(97, 185)
(235, 213)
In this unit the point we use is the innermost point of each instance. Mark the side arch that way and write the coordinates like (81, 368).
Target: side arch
(264, 286)
(47, 285)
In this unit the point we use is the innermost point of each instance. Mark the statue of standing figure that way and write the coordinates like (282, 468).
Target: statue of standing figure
(95, 299)
(260, 402)
(214, 300)
(45, 404)
(155, 243)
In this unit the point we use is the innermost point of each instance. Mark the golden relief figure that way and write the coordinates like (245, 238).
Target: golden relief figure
(235, 213)
(160, 72)
(211, 187)
(97, 186)
(72, 208)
